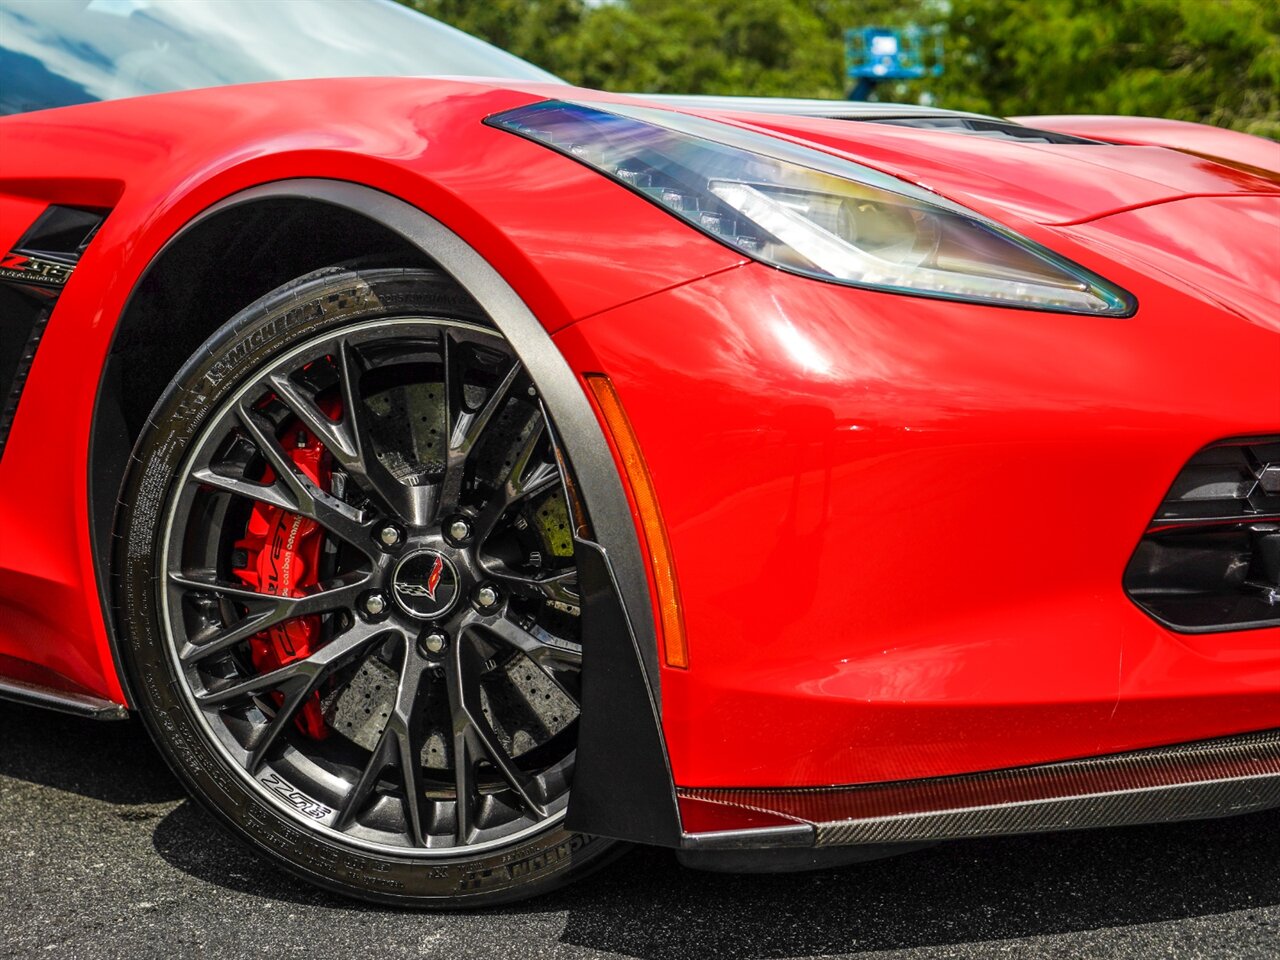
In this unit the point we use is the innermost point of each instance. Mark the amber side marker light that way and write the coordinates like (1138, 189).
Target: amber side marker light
(675, 652)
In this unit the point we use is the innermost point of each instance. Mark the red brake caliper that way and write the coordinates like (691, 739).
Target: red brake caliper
(282, 557)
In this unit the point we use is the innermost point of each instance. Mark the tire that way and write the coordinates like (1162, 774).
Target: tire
(413, 503)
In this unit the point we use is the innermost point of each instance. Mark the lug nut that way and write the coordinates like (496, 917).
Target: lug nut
(460, 530)
(375, 604)
(487, 597)
(434, 643)
(389, 536)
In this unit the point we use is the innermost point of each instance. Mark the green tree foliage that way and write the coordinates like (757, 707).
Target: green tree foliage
(749, 47)
(1216, 61)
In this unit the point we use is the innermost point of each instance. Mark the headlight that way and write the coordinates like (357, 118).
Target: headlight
(814, 213)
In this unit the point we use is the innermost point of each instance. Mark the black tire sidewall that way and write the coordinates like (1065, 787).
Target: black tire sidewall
(312, 305)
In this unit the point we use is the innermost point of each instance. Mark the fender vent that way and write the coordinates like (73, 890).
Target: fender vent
(1210, 559)
(32, 276)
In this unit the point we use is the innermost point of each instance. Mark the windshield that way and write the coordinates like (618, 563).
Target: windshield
(54, 53)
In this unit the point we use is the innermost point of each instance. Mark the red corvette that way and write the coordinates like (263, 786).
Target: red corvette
(462, 475)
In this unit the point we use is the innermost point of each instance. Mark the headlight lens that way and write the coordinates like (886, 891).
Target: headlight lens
(814, 213)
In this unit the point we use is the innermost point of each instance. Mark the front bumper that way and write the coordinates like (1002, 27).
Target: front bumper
(900, 526)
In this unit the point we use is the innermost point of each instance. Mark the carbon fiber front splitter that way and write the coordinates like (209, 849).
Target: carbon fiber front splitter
(1209, 778)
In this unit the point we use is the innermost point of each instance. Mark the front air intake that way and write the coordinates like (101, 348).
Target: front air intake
(1210, 559)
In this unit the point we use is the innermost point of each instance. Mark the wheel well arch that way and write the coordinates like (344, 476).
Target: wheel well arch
(221, 263)
(223, 260)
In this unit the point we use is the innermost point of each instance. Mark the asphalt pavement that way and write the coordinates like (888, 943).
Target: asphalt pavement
(102, 855)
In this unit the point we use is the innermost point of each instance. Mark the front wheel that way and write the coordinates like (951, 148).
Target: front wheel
(348, 594)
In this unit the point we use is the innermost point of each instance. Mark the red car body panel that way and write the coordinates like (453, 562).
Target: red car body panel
(899, 524)
(1042, 183)
(901, 530)
(1261, 156)
(159, 161)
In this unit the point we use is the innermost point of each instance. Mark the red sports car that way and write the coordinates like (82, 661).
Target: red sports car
(462, 475)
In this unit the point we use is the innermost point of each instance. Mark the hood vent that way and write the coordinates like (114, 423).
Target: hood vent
(992, 129)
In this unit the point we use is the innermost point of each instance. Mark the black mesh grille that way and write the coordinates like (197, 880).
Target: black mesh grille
(1210, 559)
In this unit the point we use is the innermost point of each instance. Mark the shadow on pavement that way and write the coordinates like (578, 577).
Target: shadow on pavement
(953, 894)
(111, 761)
(647, 906)
(116, 763)
(191, 840)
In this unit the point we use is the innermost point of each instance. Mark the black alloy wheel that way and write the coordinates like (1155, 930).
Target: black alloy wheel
(348, 582)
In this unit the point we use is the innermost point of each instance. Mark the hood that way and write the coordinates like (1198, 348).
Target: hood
(791, 107)
(987, 163)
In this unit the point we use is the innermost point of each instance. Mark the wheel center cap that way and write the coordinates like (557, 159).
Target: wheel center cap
(425, 584)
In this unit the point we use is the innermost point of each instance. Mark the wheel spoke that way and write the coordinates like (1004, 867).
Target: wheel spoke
(463, 762)
(410, 740)
(289, 676)
(522, 481)
(464, 787)
(560, 586)
(558, 660)
(385, 753)
(464, 428)
(474, 738)
(336, 437)
(269, 493)
(411, 744)
(231, 591)
(546, 651)
(304, 496)
(399, 745)
(411, 504)
(229, 637)
(294, 698)
(276, 610)
(306, 671)
(521, 783)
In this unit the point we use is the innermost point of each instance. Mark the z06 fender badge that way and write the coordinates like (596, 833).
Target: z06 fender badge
(25, 268)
